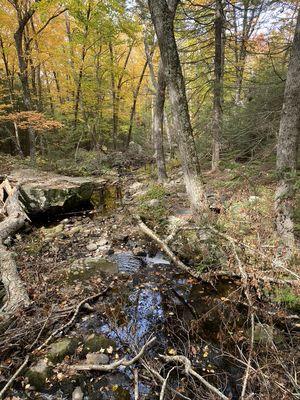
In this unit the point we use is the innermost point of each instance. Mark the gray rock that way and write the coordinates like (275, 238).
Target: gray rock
(102, 242)
(43, 191)
(92, 247)
(77, 393)
(97, 358)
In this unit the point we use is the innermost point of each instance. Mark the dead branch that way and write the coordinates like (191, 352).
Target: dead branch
(54, 334)
(164, 385)
(110, 367)
(14, 219)
(166, 249)
(72, 320)
(161, 379)
(190, 371)
(136, 384)
(205, 276)
(15, 375)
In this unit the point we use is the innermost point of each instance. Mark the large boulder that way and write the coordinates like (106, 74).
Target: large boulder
(42, 191)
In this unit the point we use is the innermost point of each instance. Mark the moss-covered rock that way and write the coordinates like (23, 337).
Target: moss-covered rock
(62, 348)
(96, 343)
(37, 374)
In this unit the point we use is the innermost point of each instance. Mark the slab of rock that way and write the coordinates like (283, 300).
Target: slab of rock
(43, 191)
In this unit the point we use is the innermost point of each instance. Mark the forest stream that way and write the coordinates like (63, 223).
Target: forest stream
(147, 297)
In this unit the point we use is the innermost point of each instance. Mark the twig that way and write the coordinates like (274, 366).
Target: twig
(71, 321)
(15, 375)
(164, 385)
(190, 371)
(158, 376)
(136, 383)
(248, 368)
(109, 367)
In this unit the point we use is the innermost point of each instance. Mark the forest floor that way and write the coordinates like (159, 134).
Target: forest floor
(57, 261)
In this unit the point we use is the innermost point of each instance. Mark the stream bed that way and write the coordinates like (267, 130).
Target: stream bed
(151, 298)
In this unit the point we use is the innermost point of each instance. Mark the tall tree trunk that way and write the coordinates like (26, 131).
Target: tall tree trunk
(116, 88)
(133, 108)
(158, 124)
(162, 15)
(218, 85)
(10, 85)
(114, 98)
(23, 74)
(82, 60)
(287, 146)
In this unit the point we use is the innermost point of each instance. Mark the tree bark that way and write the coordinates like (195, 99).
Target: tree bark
(158, 124)
(133, 108)
(218, 85)
(23, 72)
(116, 88)
(10, 85)
(287, 146)
(162, 15)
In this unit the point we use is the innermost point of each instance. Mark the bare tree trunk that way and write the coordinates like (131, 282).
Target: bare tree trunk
(133, 108)
(162, 16)
(114, 98)
(158, 124)
(218, 86)
(10, 85)
(23, 73)
(116, 88)
(287, 146)
(80, 74)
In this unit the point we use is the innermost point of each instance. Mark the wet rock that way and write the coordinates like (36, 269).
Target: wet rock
(95, 343)
(62, 348)
(38, 374)
(101, 264)
(77, 393)
(97, 358)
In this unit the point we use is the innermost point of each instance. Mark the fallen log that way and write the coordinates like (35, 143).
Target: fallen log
(207, 276)
(13, 218)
